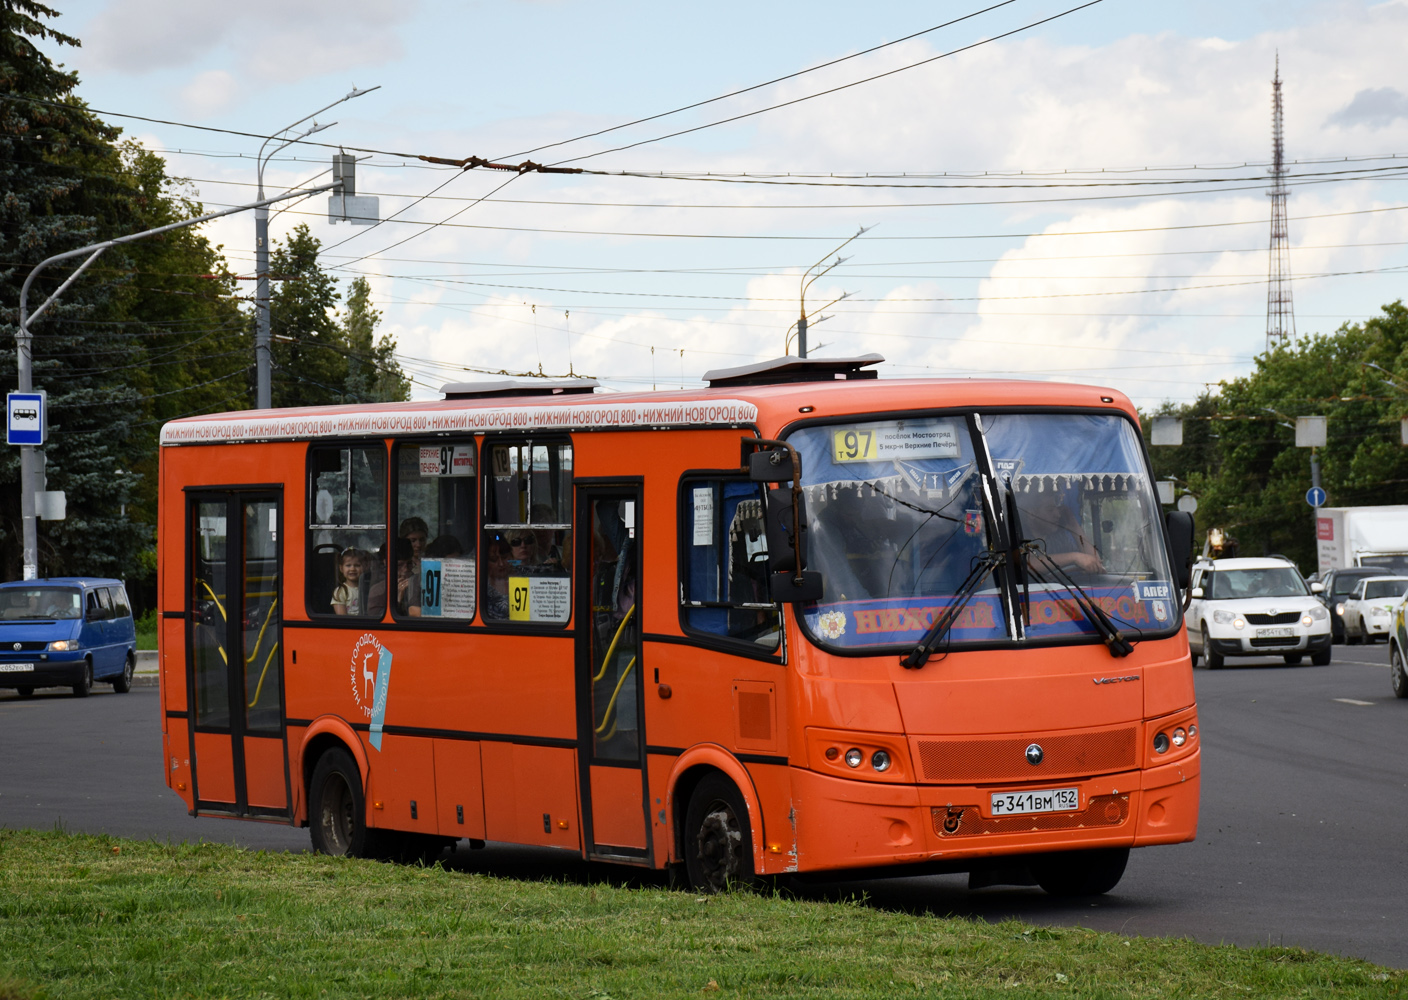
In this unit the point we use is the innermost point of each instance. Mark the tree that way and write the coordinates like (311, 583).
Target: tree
(373, 373)
(309, 348)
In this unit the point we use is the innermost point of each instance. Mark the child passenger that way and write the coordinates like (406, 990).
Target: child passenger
(347, 598)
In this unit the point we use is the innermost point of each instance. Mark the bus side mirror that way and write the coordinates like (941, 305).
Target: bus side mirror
(771, 466)
(787, 548)
(1179, 525)
(784, 588)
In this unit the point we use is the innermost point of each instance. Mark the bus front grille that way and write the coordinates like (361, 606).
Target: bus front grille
(1003, 758)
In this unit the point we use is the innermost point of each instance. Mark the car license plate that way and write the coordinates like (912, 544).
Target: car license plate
(15, 668)
(1275, 633)
(1047, 800)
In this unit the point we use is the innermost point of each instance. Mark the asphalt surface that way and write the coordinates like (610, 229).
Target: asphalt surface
(1304, 802)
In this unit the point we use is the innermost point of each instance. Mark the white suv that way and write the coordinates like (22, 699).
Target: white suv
(1255, 607)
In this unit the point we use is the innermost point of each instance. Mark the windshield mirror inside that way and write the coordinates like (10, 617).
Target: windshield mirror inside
(902, 512)
(40, 602)
(1277, 581)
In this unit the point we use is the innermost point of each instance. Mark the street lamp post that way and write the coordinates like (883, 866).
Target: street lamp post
(807, 279)
(263, 394)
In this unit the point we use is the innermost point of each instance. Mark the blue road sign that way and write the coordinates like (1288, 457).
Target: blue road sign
(1315, 496)
(25, 421)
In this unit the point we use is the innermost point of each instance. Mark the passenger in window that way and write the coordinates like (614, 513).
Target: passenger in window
(415, 531)
(444, 547)
(347, 598)
(522, 548)
(496, 578)
(549, 551)
(407, 579)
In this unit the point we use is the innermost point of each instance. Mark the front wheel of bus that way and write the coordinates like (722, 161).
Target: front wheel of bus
(1081, 873)
(718, 847)
(338, 823)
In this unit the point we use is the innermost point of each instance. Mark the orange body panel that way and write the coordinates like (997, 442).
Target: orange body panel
(482, 723)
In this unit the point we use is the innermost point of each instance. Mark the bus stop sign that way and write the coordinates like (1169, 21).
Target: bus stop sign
(25, 418)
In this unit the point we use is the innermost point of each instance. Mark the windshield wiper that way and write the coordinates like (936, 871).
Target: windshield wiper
(1114, 640)
(919, 655)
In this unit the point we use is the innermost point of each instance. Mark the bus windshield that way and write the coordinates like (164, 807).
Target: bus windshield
(1017, 517)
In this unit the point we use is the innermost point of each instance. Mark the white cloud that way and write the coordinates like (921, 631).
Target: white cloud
(210, 93)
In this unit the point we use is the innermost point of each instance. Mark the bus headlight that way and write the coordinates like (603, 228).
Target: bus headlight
(1179, 737)
(880, 760)
(1161, 743)
(854, 757)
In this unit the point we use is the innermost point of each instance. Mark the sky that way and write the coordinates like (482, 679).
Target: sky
(1050, 189)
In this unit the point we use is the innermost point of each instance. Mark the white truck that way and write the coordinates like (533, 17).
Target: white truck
(1363, 536)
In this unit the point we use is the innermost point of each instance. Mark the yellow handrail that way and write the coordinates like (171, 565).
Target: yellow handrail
(260, 686)
(612, 648)
(606, 716)
(260, 638)
(211, 592)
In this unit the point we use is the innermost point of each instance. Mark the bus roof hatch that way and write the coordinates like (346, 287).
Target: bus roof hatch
(519, 387)
(793, 369)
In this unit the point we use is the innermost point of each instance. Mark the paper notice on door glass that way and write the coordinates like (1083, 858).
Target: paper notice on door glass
(447, 588)
(704, 515)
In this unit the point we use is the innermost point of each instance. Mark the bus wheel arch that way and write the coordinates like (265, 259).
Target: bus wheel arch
(325, 734)
(714, 773)
(337, 807)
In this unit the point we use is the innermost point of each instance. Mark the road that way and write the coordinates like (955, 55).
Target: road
(1304, 796)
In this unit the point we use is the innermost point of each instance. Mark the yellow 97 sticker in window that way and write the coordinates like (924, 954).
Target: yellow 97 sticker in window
(854, 444)
(518, 601)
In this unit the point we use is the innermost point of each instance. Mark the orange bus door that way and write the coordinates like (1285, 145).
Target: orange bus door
(234, 661)
(610, 715)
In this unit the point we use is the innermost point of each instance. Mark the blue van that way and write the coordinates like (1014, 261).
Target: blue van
(66, 632)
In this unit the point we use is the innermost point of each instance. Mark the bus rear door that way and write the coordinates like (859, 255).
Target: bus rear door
(234, 661)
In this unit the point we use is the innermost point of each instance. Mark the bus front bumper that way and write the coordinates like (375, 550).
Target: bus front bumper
(859, 824)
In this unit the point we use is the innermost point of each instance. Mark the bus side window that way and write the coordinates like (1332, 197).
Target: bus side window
(724, 562)
(435, 516)
(527, 531)
(346, 556)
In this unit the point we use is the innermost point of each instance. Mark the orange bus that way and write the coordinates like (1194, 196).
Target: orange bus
(801, 620)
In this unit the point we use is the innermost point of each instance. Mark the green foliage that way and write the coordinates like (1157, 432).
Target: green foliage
(101, 917)
(372, 371)
(1239, 455)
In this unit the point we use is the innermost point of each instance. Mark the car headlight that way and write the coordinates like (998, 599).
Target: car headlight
(1319, 613)
(1339, 609)
(1223, 617)
(64, 645)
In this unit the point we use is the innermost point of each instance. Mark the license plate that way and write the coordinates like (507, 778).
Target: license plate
(1047, 800)
(15, 668)
(1275, 633)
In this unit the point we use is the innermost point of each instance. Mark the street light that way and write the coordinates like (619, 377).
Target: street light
(807, 279)
(263, 395)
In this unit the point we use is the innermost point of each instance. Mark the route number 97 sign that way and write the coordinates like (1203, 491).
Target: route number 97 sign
(895, 440)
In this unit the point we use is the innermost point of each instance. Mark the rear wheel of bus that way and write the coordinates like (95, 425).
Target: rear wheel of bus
(718, 846)
(1081, 873)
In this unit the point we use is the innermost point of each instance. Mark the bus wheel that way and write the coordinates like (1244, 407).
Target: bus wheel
(1081, 873)
(718, 848)
(122, 683)
(338, 818)
(85, 683)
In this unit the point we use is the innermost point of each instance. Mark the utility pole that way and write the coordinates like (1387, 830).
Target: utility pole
(263, 387)
(807, 279)
(24, 340)
(1280, 316)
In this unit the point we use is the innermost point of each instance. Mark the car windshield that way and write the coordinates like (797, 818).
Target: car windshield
(1378, 589)
(1346, 582)
(40, 602)
(901, 516)
(1274, 581)
(1386, 564)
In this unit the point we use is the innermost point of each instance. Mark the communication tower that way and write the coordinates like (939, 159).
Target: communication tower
(1280, 316)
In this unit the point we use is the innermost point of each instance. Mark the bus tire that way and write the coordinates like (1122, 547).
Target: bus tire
(122, 683)
(85, 681)
(1081, 873)
(718, 846)
(337, 820)
(1396, 676)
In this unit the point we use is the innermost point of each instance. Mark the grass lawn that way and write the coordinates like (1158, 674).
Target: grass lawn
(146, 635)
(98, 917)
